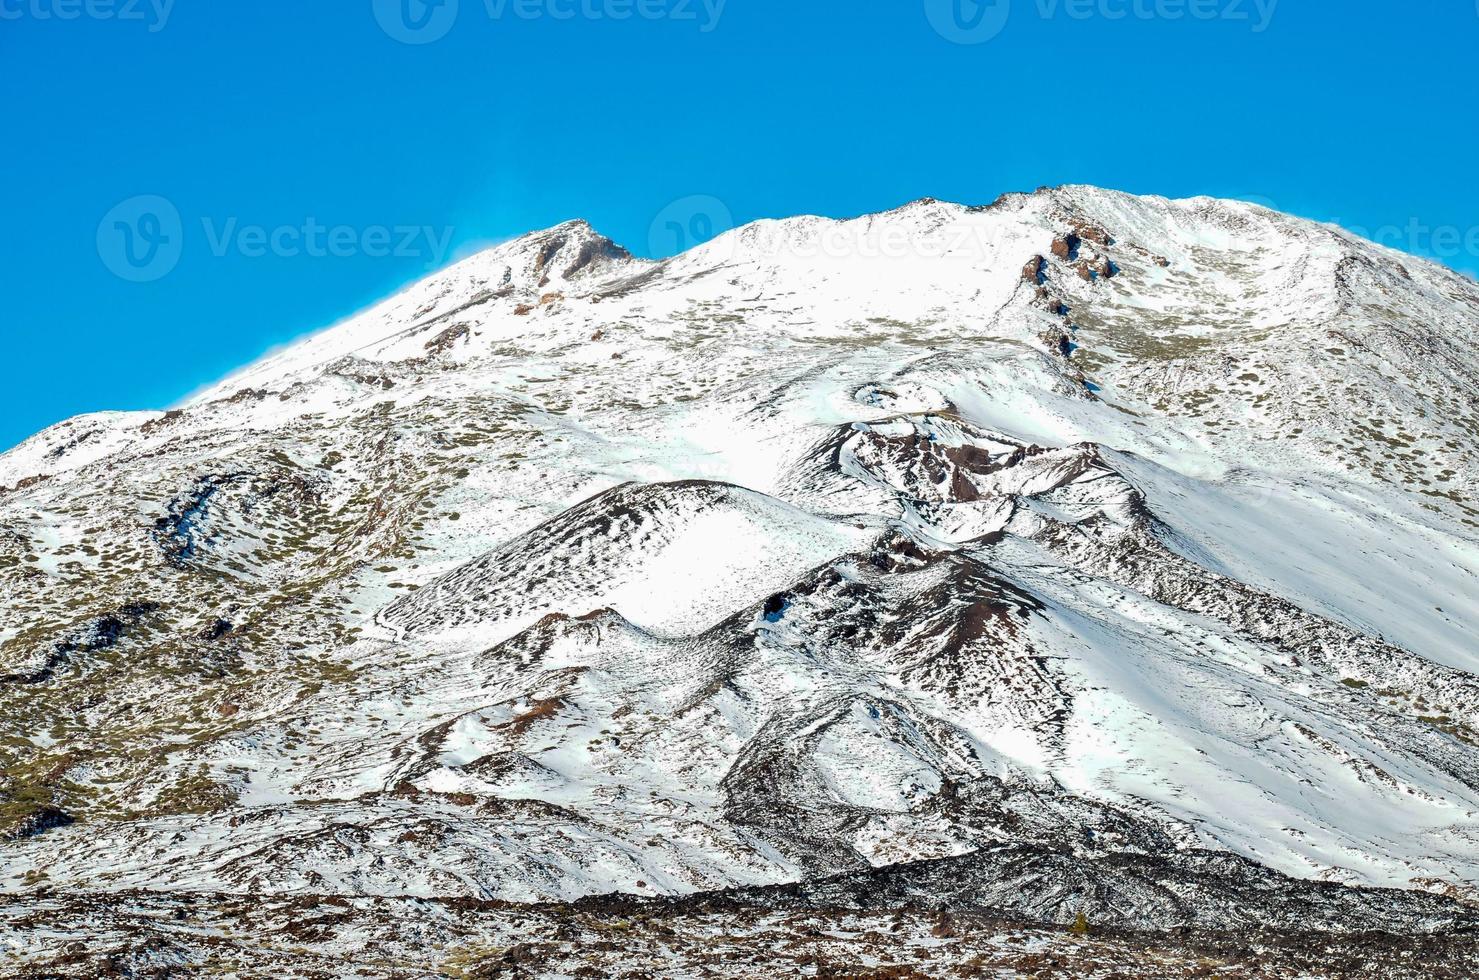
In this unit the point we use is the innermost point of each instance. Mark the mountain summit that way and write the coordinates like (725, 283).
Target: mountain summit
(1078, 559)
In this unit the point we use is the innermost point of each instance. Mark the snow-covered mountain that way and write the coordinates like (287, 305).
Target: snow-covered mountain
(1079, 554)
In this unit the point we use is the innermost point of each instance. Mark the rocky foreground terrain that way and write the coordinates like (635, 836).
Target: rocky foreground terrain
(1082, 585)
(329, 938)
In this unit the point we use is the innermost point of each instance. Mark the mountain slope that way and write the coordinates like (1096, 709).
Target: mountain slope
(1083, 553)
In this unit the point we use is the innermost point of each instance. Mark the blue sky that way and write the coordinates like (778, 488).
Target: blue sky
(316, 161)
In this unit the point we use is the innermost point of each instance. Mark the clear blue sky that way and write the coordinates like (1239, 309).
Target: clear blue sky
(523, 113)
